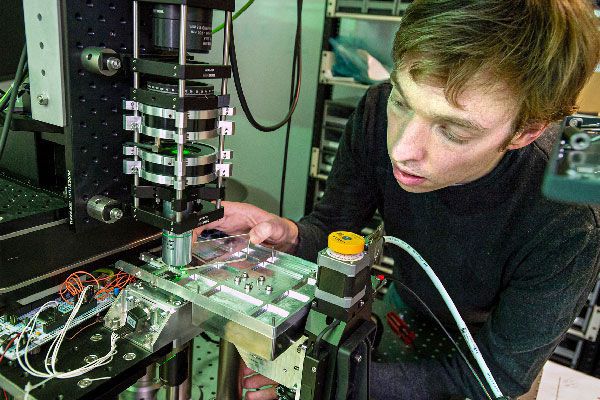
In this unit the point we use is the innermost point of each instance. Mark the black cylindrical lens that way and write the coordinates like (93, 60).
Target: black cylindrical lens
(165, 23)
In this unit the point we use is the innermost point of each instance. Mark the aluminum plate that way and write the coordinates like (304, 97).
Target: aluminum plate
(264, 318)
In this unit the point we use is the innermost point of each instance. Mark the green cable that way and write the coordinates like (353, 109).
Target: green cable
(237, 14)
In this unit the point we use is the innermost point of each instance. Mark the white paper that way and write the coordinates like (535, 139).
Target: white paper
(562, 383)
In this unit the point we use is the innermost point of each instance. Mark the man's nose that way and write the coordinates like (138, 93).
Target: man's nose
(411, 143)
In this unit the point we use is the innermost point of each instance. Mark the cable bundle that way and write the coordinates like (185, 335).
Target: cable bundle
(51, 372)
(74, 285)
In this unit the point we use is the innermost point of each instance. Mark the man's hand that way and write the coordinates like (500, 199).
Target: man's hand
(248, 379)
(263, 226)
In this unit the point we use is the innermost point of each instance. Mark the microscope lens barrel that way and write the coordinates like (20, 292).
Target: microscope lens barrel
(177, 248)
(166, 28)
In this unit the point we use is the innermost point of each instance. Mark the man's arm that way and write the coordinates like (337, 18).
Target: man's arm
(546, 292)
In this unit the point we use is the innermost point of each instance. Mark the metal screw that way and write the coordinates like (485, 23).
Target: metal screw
(361, 303)
(245, 276)
(129, 356)
(177, 303)
(237, 280)
(358, 358)
(90, 359)
(85, 382)
(261, 280)
(314, 369)
(269, 289)
(42, 99)
(248, 287)
(113, 63)
(96, 337)
(313, 304)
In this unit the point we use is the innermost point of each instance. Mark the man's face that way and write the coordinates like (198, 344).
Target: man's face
(433, 144)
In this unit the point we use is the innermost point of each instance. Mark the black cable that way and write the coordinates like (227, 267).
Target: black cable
(297, 50)
(436, 319)
(205, 336)
(13, 99)
(238, 84)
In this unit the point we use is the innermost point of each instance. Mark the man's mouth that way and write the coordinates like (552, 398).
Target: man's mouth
(406, 178)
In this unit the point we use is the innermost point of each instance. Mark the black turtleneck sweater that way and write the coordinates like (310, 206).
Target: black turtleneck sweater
(518, 266)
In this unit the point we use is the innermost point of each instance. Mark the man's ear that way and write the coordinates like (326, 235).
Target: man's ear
(526, 135)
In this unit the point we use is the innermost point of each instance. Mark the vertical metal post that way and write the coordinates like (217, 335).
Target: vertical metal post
(229, 368)
(136, 85)
(181, 130)
(226, 44)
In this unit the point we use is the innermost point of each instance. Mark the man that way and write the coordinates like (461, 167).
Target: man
(452, 154)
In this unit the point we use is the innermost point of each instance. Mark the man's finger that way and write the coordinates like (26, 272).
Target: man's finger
(257, 381)
(266, 394)
(261, 232)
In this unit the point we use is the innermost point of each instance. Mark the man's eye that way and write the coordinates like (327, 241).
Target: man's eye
(398, 103)
(450, 136)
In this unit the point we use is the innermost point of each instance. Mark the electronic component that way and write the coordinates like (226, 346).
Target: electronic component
(573, 172)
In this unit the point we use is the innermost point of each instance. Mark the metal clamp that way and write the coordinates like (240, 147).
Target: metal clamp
(227, 111)
(226, 154)
(130, 105)
(131, 167)
(224, 170)
(132, 122)
(226, 128)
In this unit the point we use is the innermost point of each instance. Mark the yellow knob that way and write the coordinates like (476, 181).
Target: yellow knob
(347, 243)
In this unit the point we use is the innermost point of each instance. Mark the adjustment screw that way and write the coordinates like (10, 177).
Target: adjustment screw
(113, 63)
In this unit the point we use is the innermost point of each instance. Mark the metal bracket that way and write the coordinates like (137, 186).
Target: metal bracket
(226, 128)
(130, 150)
(227, 111)
(224, 170)
(131, 167)
(226, 154)
(130, 105)
(131, 122)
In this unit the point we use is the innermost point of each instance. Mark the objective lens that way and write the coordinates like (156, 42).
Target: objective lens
(165, 23)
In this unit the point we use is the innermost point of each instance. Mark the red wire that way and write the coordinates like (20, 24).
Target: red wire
(5, 395)
(8, 347)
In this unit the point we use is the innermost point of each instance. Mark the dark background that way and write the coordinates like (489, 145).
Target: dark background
(12, 37)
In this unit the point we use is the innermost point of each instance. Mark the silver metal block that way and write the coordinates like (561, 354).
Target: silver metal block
(263, 322)
(226, 128)
(169, 316)
(43, 28)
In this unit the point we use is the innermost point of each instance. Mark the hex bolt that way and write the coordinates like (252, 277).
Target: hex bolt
(90, 359)
(85, 382)
(261, 280)
(116, 214)
(96, 337)
(42, 99)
